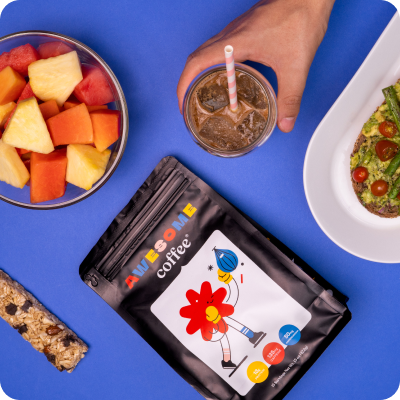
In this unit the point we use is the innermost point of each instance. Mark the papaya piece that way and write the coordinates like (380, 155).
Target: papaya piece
(48, 173)
(105, 128)
(95, 108)
(72, 126)
(11, 85)
(71, 102)
(5, 112)
(49, 109)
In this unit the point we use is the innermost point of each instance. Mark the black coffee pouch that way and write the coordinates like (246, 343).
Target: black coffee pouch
(229, 307)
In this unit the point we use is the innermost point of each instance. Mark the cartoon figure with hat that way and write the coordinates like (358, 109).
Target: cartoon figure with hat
(210, 312)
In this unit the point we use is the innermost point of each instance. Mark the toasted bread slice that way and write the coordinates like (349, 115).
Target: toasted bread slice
(386, 212)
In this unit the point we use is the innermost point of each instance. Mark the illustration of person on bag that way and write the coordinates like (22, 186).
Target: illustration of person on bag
(210, 312)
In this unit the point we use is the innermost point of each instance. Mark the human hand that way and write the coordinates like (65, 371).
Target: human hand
(283, 35)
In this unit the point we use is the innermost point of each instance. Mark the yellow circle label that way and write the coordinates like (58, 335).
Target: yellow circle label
(257, 372)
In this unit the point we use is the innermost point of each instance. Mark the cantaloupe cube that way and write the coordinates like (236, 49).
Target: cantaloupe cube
(95, 108)
(12, 169)
(86, 165)
(71, 102)
(49, 109)
(105, 128)
(27, 128)
(11, 85)
(56, 77)
(71, 126)
(48, 175)
(5, 112)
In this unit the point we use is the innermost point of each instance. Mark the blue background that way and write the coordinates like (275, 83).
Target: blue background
(146, 44)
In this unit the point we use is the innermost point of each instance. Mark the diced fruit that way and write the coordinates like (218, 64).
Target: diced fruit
(26, 94)
(5, 112)
(21, 152)
(71, 102)
(105, 128)
(27, 128)
(11, 85)
(53, 49)
(19, 58)
(71, 126)
(49, 109)
(48, 175)
(56, 77)
(94, 88)
(27, 164)
(86, 165)
(95, 108)
(12, 169)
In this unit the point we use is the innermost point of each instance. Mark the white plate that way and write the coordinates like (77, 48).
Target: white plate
(326, 176)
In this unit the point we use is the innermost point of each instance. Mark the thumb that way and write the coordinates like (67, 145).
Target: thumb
(291, 84)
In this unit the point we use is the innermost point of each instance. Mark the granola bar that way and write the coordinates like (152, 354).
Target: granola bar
(44, 331)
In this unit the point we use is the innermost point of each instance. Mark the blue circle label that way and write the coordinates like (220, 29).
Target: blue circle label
(289, 335)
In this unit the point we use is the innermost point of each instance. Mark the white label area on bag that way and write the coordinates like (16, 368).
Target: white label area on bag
(230, 314)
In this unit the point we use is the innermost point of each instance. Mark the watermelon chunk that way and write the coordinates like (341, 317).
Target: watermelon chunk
(48, 175)
(94, 89)
(19, 58)
(53, 49)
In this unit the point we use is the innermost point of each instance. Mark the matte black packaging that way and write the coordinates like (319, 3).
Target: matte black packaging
(179, 260)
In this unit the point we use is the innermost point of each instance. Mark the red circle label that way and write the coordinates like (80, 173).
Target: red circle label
(273, 353)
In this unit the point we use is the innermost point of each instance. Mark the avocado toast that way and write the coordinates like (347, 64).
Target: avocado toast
(375, 161)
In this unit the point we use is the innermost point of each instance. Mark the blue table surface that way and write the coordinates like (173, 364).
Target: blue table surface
(146, 44)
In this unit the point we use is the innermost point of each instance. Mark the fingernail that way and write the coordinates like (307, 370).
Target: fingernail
(287, 124)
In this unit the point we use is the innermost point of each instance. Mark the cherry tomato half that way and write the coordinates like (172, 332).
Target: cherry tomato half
(360, 174)
(385, 149)
(398, 196)
(388, 129)
(379, 188)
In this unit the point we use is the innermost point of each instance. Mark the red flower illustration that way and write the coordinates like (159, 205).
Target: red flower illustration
(196, 311)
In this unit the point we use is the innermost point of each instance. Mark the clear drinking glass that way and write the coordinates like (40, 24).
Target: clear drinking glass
(73, 194)
(272, 111)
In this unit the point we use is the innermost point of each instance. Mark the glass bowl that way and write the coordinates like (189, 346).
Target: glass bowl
(73, 194)
(272, 111)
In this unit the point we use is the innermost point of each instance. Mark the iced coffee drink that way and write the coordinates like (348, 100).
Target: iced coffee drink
(216, 127)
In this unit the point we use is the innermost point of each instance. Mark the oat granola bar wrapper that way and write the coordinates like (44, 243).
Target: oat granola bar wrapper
(43, 330)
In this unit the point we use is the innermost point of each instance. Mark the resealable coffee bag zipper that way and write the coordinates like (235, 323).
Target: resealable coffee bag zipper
(229, 307)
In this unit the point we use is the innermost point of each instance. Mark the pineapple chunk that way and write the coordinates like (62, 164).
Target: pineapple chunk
(27, 129)
(55, 78)
(86, 165)
(12, 168)
(5, 112)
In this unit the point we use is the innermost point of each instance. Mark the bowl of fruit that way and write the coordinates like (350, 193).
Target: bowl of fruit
(63, 120)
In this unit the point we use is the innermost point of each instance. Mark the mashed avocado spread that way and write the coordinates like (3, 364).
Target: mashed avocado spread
(375, 166)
